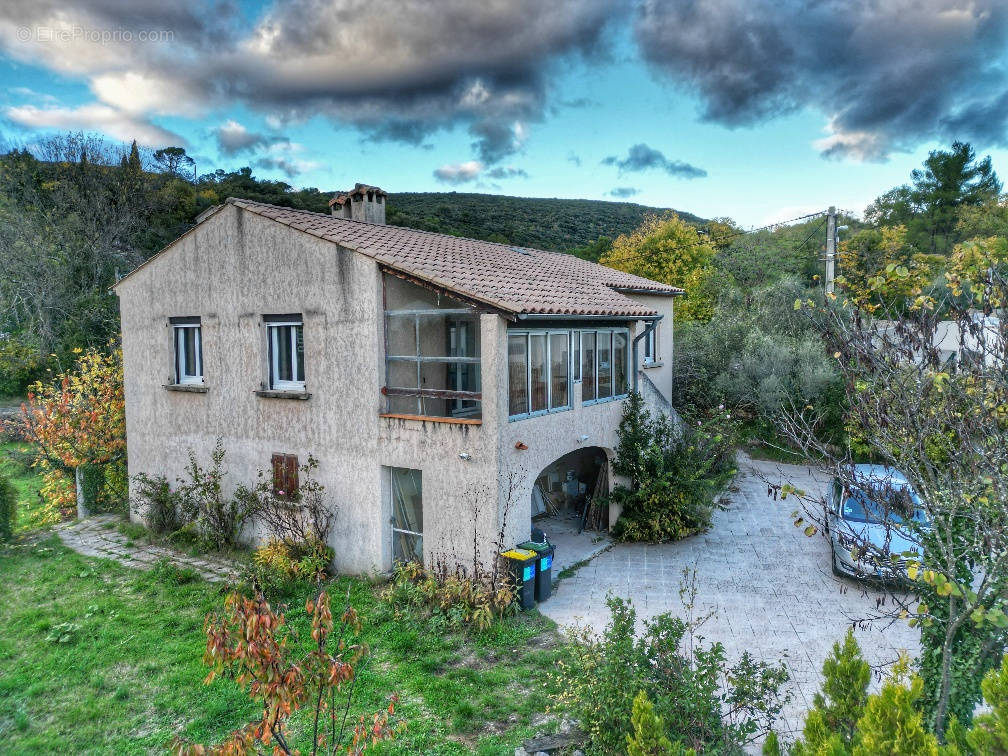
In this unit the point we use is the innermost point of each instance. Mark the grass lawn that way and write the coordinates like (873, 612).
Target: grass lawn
(15, 464)
(98, 657)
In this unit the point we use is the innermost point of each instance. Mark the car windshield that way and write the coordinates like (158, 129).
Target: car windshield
(893, 503)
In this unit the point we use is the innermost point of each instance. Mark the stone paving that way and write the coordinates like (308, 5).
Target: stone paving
(98, 536)
(770, 586)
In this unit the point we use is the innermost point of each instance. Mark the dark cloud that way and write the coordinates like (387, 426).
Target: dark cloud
(398, 71)
(288, 166)
(887, 76)
(623, 192)
(641, 157)
(233, 138)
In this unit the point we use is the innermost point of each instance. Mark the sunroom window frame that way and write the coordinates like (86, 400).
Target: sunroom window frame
(611, 330)
(547, 333)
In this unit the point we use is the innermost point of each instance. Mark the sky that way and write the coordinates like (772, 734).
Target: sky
(758, 110)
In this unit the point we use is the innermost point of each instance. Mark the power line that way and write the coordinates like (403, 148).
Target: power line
(717, 241)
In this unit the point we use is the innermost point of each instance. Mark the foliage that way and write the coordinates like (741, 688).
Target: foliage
(674, 473)
(20, 365)
(75, 420)
(16, 467)
(945, 427)
(648, 736)
(931, 206)
(462, 600)
(542, 223)
(989, 733)
(8, 509)
(218, 518)
(668, 249)
(252, 644)
(706, 703)
(279, 562)
(157, 503)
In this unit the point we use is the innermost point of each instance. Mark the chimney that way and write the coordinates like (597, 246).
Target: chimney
(362, 203)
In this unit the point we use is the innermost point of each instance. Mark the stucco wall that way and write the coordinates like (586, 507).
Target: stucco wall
(236, 267)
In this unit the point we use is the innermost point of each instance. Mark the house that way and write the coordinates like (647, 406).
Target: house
(435, 378)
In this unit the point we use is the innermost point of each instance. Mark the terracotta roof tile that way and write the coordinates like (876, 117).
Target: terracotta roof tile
(513, 279)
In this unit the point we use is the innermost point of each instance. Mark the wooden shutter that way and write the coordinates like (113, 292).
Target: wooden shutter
(291, 475)
(278, 474)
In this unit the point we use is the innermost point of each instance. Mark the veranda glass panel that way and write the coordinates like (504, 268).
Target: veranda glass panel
(518, 403)
(559, 370)
(604, 347)
(537, 363)
(407, 514)
(619, 364)
(587, 365)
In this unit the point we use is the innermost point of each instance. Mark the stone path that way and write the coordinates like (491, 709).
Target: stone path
(97, 536)
(770, 587)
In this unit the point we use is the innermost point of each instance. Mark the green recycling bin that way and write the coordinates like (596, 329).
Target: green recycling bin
(523, 566)
(544, 567)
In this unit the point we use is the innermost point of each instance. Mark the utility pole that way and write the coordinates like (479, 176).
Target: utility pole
(831, 237)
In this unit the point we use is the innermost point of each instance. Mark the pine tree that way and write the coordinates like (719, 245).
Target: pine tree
(891, 723)
(989, 733)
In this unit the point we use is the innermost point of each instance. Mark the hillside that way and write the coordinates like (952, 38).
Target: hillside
(554, 224)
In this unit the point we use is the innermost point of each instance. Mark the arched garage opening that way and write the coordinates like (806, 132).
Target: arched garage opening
(569, 504)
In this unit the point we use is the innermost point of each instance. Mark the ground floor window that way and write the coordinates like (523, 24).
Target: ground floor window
(406, 489)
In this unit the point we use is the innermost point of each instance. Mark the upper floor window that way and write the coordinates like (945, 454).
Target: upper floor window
(604, 364)
(651, 346)
(539, 371)
(188, 343)
(432, 353)
(285, 342)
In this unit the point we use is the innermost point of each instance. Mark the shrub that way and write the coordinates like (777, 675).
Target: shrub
(201, 500)
(279, 563)
(156, 503)
(674, 475)
(8, 509)
(706, 703)
(304, 517)
(461, 599)
(648, 737)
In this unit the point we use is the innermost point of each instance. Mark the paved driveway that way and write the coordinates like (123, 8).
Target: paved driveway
(771, 587)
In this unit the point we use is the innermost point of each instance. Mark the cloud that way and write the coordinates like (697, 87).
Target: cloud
(501, 172)
(886, 76)
(573, 157)
(640, 157)
(94, 117)
(623, 192)
(233, 138)
(459, 173)
(290, 167)
(399, 71)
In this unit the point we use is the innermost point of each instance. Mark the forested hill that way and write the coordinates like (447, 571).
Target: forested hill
(554, 224)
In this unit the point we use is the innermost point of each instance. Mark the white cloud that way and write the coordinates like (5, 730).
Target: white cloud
(94, 117)
(459, 173)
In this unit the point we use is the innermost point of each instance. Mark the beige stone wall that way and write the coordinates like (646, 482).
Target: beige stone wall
(236, 267)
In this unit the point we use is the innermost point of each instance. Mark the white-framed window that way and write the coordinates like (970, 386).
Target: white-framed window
(285, 344)
(187, 338)
(539, 372)
(651, 346)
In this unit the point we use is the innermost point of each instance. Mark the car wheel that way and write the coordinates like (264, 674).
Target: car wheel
(836, 570)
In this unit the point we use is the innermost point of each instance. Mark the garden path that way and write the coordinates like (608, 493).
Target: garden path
(98, 536)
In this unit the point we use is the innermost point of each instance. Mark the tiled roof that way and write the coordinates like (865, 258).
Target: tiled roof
(513, 279)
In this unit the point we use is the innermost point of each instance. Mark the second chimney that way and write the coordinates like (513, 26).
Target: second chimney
(362, 203)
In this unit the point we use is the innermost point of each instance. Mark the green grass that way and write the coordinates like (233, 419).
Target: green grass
(98, 657)
(15, 464)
